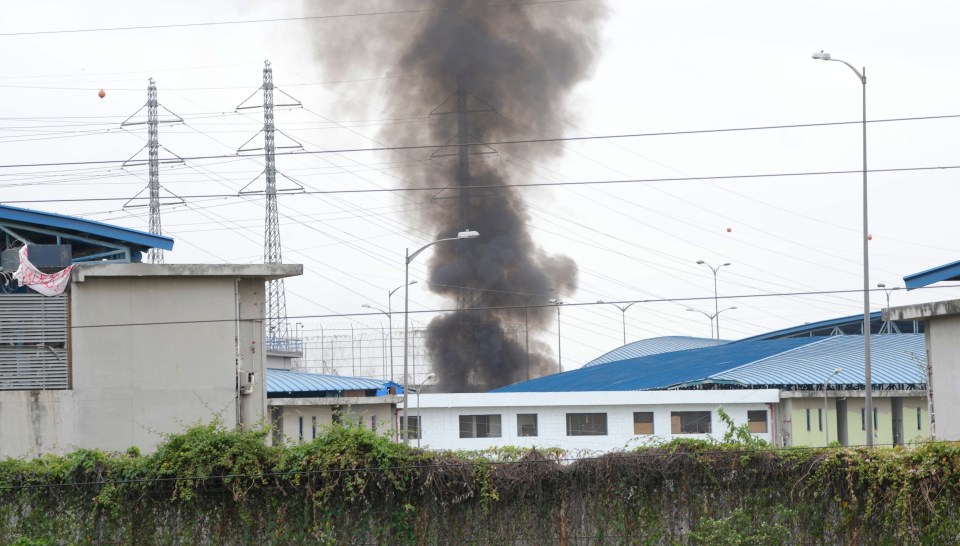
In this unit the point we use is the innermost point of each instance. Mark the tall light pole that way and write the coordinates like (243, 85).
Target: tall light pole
(716, 303)
(711, 317)
(558, 303)
(887, 291)
(389, 314)
(526, 327)
(868, 386)
(419, 423)
(826, 409)
(623, 309)
(406, 313)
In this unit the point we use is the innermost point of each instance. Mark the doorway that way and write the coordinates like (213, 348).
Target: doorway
(896, 408)
(842, 421)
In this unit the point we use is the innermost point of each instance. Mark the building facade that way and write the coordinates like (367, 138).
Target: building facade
(140, 351)
(584, 421)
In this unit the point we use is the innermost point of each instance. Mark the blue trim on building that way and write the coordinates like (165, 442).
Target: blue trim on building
(82, 227)
(947, 272)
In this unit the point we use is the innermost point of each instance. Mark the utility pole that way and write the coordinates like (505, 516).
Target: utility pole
(154, 255)
(272, 249)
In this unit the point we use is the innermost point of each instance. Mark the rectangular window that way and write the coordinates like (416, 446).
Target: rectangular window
(526, 424)
(874, 418)
(586, 424)
(919, 413)
(820, 418)
(373, 423)
(642, 422)
(480, 426)
(314, 426)
(300, 420)
(33, 342)
(808, 419)
(690, 422)
(863, 418)
(412, 427)
(337, 415)
(757, 421)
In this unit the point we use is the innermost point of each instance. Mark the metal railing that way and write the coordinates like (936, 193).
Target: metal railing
(284, 345)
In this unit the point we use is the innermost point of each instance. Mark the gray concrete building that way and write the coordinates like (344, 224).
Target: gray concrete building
(125, 352)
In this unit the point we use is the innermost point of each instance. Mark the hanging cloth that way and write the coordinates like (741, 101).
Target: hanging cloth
(48, 284)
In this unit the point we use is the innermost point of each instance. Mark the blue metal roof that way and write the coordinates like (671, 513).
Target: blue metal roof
(653, 346)
(896, 360)
(948, 272)
(660, 371)
(86, 236)
(281, 382)
(852, 325)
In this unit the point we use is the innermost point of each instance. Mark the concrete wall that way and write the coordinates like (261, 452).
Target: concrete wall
(440, 415)
(150, 354)
(943, 356)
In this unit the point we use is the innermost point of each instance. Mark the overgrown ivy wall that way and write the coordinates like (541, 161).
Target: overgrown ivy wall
(213, 486)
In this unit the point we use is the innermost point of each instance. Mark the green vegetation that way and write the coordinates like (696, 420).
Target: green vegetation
(212, 485)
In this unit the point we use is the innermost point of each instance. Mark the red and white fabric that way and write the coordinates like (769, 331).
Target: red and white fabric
(48, 284)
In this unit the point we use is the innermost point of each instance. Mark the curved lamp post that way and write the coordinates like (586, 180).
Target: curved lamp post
(623, 309)
(711, 317)
(887, 291)
(862, 76)
(389, 314)
(406, 312)
(716, 303)
(826, 409)
(420, 423)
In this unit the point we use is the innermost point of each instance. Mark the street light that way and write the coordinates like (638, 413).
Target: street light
(887, 291)
(826, 410)
(526, 327)
(406, 311)
(558, 303)
(389, 314)
(419, 423)
(711, 317)
(623, 309)
(862, 76)
(716, 311)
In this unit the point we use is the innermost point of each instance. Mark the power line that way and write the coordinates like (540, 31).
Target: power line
(518, 141)
(527, 185)
(508, 307)
(286, 19)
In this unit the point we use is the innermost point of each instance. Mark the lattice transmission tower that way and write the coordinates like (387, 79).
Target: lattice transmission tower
(463, 106)
(277, 327)
(154, 255)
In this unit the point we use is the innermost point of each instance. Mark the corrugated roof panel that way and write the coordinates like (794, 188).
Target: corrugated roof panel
(895, 359)
(281, 381)
(89, 228)
(661, 370)
(653, 346)
(946, 272)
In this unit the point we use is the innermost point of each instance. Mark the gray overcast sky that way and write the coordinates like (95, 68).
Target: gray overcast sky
(663, 66)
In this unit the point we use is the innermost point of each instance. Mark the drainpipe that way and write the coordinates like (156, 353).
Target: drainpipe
(239, 354)
(773, 425)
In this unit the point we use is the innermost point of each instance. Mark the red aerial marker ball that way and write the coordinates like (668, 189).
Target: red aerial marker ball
(102, 93)
(729, 229)
(869, 236)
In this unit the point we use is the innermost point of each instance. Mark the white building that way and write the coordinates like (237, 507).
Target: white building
(584, 421)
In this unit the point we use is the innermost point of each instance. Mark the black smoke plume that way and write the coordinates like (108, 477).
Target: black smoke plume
(521, 61)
